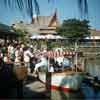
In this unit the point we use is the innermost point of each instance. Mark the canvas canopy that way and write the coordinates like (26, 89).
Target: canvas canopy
(46, 37)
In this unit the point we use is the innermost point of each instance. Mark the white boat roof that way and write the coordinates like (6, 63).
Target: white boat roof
(93, 37)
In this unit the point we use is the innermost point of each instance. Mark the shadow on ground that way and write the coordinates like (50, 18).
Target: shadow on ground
(11, 88)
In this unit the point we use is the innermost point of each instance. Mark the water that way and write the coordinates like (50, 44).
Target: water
(90, 92)
(93, 67)
(85, 92)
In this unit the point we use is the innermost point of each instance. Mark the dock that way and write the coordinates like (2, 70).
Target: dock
(35, 90)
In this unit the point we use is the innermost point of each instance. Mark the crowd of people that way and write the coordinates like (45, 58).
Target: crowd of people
(15, 55)
(19, 53)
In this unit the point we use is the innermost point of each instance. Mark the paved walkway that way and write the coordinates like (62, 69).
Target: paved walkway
(33, 89)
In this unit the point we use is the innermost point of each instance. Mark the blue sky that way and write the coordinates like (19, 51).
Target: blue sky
(66, 9)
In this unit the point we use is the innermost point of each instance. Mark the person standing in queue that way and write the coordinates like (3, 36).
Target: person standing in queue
(27, 57)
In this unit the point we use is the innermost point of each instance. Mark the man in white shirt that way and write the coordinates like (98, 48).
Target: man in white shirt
(27, 56)
(17, 56)
(51, 68)
(11, 51)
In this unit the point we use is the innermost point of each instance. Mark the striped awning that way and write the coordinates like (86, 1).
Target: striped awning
(52, 54)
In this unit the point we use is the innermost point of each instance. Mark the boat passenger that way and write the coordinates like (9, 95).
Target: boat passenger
(51, 68)
(51, 65)
(43, 63)
(59, 60)
(66, 63)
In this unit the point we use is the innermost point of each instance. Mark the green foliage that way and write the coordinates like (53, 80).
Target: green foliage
(21, 34)
(52, 45)
(74, 29)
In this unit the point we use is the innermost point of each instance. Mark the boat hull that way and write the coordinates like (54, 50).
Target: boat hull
(63, 81)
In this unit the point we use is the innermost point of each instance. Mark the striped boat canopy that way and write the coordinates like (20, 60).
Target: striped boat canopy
(52, 54)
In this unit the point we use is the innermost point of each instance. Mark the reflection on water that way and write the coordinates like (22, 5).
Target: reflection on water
(59, 95)
(86, 92)
(93, 67)
(90, 92)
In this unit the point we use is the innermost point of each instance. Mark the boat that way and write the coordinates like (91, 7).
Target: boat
(65, 79)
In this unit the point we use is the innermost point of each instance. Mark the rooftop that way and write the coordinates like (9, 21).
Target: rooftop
(40, 24)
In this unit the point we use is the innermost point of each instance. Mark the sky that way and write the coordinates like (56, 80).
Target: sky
(66, 9)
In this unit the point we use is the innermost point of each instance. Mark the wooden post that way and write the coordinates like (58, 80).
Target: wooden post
(48, 79)
(48, 84)
(20, 89)
(76, 56)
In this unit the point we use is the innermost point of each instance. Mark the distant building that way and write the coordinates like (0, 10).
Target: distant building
(95, 32)
(93, 40)
(39, 25)
(94, 35)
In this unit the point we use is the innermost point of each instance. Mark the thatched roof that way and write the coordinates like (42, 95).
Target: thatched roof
(41, 21)
(40, 24)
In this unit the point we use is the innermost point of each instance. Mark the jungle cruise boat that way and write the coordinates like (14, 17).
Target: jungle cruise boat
(67, 74)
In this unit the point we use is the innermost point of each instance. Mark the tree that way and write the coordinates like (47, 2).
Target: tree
(20, 33)
(74, 29)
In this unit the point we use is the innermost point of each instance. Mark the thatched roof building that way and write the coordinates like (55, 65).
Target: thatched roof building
(95, 32)
(39, 25)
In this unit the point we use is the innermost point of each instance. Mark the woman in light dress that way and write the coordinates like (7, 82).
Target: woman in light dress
(42, 64)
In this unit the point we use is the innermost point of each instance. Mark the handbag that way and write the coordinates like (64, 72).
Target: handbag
(21, 73)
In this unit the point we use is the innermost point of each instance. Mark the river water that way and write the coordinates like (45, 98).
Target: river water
(86, 92)
(93, 66)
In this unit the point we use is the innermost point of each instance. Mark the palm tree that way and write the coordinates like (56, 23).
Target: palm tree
(23, 6)
(83, 7)
(27, 6)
